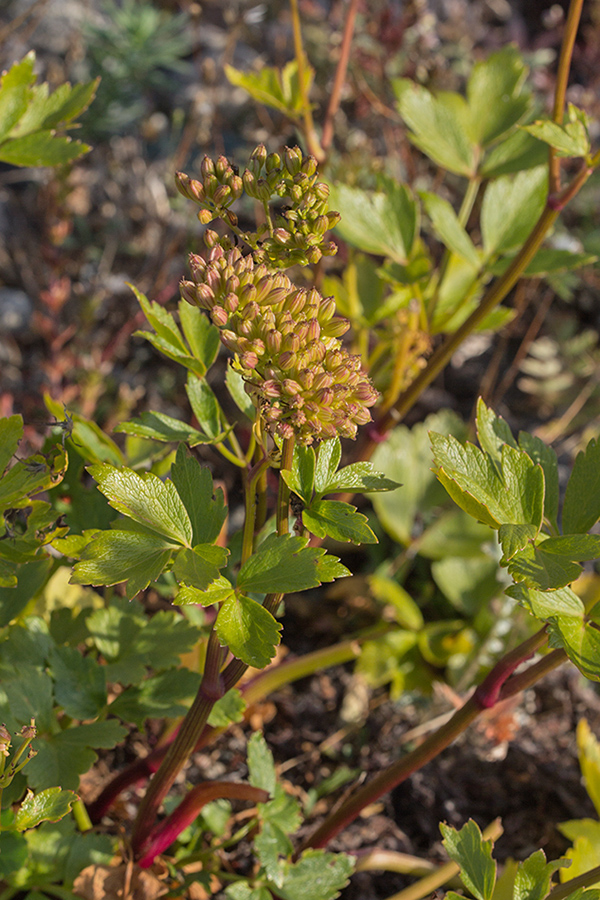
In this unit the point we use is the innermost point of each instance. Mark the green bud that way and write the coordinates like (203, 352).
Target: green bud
(231, 302)
(219, 316)
(309, 166)
(336, 327)
(273, 162)
(330, 248)
(207, 167)
(313, 255)
(249, 359)
(293, 159)
(222, 195)
(281, 236)
(274, 341)
(291, 343)
(221, 166)
(326, 310)
(321, 191)
(286, 360)
(205, 216)
(259, 155)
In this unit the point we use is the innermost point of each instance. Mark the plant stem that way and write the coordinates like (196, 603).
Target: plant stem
(312, 141)
(562, 78)
(569, 887)
(340, 75)
(485, 696)
(80, 814)
(444, 873)
(283, 497)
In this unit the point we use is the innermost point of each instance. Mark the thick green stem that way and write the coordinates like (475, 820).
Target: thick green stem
(283, 497)
(562, 78)
(569, 887)
(485, 696)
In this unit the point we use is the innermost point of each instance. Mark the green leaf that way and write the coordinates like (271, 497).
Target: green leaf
(47, 806)
(579, 547)
(282, 564)
(205, 406)
(229, 708)
(201, 335)
(474, 856)
(220, 589)
(469, 584)
(570, 140)
(261, 767)
(199, 567)
(279, 89)
(337, 520)
(158, 426)
(11, 432)
(316, 876)
(360, 478)
(514, 538)
(14, 853)
(241, 890)
(62, 757)
(283, 811)
(518, 152)
(115, 556)
(79, 683)
(439, 125)
(383, 223)
(235, 384)
(328, 460)
(448, 228)
(495, 96)
(544, 456)
(492, 432)
(163, 324)
(25, 696)
(205, 506)
(406, 612)
(43, 148)
(162, 696)
(532, 881)
(581, 509)
(13, 103)
(510, 208)
(145, 499)
(546, 604)
(301, 477)
(67, 102)
(589, 761)
(270, 845)
(249, 630)
(581, 642)
(542, 571)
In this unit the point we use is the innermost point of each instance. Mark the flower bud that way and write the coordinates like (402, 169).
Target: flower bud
(274, 341)
(219, 316)
(249, 359)
(324, 396)
(321, 191)
(291, 343)
(273, 162)
(335, 327)
(4, 740)
(205, 216)
(290, 387)
(211, 183)
(222, 195)
(294, 303)
(231, 302)
(230, 339)
(320, 225)
(286, 360)
(271, 389)
(313, 255)
(205, 296)
(309, 166)
(281, 236)
(207, 167)
(187, 289)
(211, 238)
(259, 155)
(322, 380)
(237, 187)
(221, 166)
(293, 159)
(330, 248)
(285, 431)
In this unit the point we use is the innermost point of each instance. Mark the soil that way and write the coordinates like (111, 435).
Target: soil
(71, 243)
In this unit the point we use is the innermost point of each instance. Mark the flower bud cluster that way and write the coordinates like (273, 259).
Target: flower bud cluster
(286, 340)
(221, 185)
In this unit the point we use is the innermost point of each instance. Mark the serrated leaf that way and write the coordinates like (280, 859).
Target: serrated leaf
(580, 641)
(301, 477)
(145, 499)
(439, 125)
(316, 876)
(510, 208)
(201, 335)
(542, 571)
(516, 153)
(589, 761)
(218, 591)
(163, 324)
(229, 708)
(270, 845)
(79, 683)
(261, 767)
(115, 556)
(495, 95)
(277, 88)
(570, 140)
(474, 856)
(205, 506)
(581, 509)
(158, 426)
(47, 806)
(448, 228)
(62, 757)
(545, 604)
(282, 564)
(532, 881)
(235, 385)
(11, 432)
(514, 538)
(205, 406)
(165, 695)
(337, 520)
(241, 890)
(249, 630)
(13, 104)
(328, 460)
(26, 696)
(378, 222)
(544, 456)
(283, 811)
(67, 102)
(199, 567)
(492, 433)
(360, 477)
(42, 148)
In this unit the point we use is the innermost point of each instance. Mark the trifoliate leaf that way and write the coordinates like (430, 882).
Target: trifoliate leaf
(47, 806)
(199, 567)
(115, 556)
(468, 849)
(337, 520)
(581, 509)
(145, 499)
(532, 881)
(546, 604)
(249, 630)
(79, 683)
(284, 563)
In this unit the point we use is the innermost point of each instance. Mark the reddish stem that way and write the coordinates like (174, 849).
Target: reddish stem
(169, 829)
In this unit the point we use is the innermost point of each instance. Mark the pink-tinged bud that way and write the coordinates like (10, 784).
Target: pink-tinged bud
(321, 191)
(293, 159)
(296, 193)
(307, 377)
(362, 416)
(259, 155)
(250, 311)
(298, 418)
(205, 216)
(291, 343)
(322, 380)
(333, 218)
(309, 166)
(211, 183)
(290, 387)
(314, 331)
(29, 731)
(274, 341)
(325, 414)
(275, 296)
(189, 187)
(221, 166)
(207, 167)
(231, 302)
(230, 339)
(285, 431)
(329, 249)
(316, 351)
(258, 346)
(249, 183)
(187, 289)
(211, 238)
(335, 358)
(197, 264)
(366, 393)
(271, 389)
(286, 361)
(294, 303)
(4, 740)
(273, 414)
(246, 328)
(237, 186)
(249, 359)
(341, 391)
(222, 195)
(336, 327)
(205, 296)
(324, 397)
(219, 316)
(313, 255)
(281, 236)
(217, 253)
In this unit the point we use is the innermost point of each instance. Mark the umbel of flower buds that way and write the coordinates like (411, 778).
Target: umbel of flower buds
(287, 347)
